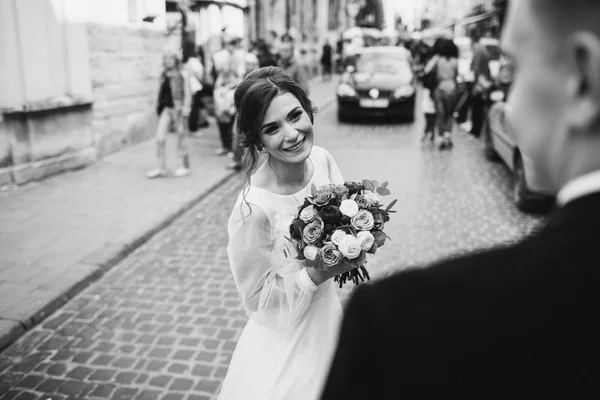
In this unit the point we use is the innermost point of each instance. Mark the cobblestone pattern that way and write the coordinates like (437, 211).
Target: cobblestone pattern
(163, 324)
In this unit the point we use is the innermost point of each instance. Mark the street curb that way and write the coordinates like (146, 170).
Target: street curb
(103, 259)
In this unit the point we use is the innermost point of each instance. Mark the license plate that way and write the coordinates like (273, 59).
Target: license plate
(374, 103)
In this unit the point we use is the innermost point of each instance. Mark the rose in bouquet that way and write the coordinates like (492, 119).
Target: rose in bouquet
(341, 223)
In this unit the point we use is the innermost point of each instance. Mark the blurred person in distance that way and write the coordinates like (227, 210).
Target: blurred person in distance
(173, 108)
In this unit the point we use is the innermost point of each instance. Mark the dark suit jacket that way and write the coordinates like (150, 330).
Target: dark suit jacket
(525, 314)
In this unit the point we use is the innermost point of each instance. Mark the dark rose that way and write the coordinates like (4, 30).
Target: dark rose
(379, 220)
(354, 187)
(345, 220)
(330, 214)
(329, 228)
(379, 238)
(296, 228)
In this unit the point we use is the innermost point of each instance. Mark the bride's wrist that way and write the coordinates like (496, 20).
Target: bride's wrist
(316, 276)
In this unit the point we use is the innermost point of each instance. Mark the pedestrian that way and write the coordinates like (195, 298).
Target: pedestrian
(251, 64)
(481, 84)
(291, 66)
(293, 309)
(428, 108)
(173, 108)
(521, 317)
(326, 61)
(265, 57)
(446, 90)
(195, 72)
(229, 69)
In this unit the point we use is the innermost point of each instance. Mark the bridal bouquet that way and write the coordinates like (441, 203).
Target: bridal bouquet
(341, 223)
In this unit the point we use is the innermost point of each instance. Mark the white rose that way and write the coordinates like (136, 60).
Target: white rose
(350, 247)
(366, 239)
(311, 252)
(349, 208)
(337, 235)
(308, 214)
(371, 197)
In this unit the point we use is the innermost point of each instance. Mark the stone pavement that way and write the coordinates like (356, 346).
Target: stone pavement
(60, 234)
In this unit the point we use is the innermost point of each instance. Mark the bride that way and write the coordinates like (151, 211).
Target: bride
(294, 312)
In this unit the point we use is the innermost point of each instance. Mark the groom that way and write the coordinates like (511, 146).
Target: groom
(519, 316)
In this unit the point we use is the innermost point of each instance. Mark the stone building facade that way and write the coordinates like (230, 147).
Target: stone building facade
(78, 81)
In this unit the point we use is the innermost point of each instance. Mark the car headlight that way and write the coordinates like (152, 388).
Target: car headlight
(404, 91)
(345, 90)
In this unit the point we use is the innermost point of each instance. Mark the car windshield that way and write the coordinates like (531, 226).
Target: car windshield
(381, 63)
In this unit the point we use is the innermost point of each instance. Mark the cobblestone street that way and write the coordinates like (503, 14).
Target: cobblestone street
(164, 322)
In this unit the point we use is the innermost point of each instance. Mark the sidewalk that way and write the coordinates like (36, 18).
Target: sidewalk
(60, 234)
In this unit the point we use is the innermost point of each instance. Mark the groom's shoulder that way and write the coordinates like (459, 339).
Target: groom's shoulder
(475, 271)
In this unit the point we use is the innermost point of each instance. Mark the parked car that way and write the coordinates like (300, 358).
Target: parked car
(378, 81)
(499, 144)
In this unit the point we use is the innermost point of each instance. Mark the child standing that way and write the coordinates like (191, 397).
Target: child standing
(174, 103)
(428, 107)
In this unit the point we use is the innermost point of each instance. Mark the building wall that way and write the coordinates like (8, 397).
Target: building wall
(79, 81)
(125, 66)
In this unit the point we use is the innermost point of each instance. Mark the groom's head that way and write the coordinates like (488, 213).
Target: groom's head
(554, 105)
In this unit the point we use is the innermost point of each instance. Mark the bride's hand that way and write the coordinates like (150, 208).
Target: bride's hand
(319, 277)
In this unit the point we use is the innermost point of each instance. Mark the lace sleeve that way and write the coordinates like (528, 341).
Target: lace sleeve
(275, 291)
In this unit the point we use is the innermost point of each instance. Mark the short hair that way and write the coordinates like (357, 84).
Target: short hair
(447, 48)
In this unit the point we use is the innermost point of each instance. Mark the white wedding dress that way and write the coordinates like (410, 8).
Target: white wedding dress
(285, 350)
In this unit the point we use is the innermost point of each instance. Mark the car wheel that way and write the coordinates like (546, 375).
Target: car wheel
(488, 146)
(526, 200)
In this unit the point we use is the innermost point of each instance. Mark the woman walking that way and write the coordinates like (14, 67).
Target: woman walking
(445, 92)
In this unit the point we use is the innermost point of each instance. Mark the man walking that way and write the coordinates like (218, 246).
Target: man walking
(481, 84)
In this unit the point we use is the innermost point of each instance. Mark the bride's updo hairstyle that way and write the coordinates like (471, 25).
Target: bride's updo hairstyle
(252, 98)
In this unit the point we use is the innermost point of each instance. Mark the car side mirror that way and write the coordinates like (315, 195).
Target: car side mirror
(497, 96)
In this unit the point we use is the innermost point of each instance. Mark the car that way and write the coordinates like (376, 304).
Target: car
(465, 56)
(378, 81)
(499, 144)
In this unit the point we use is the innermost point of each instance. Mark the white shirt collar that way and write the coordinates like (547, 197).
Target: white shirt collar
(579, 187)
